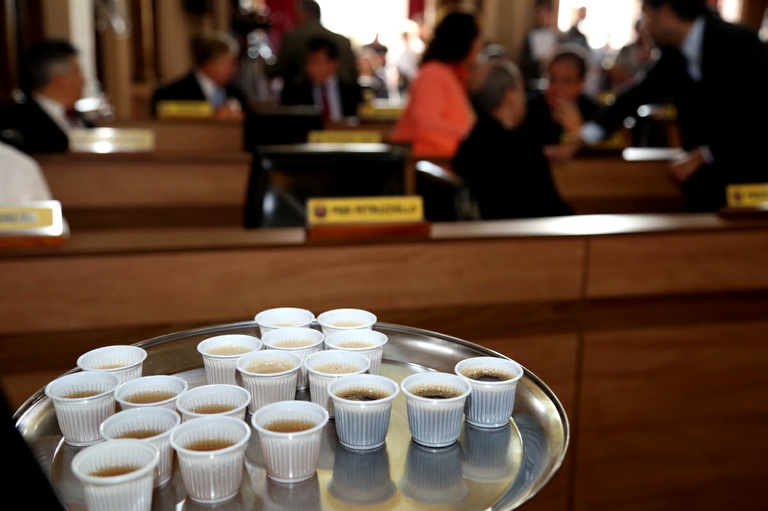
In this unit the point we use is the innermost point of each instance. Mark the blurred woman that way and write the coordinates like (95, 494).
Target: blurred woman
(438, 114)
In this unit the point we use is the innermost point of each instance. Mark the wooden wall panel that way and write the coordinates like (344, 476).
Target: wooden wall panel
(680, 263)
(673, 418)
(213, 285)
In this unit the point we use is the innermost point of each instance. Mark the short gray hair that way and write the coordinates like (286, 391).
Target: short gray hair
(491, 82)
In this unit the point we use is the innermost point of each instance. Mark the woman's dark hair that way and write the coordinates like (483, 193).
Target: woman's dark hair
(452, 38)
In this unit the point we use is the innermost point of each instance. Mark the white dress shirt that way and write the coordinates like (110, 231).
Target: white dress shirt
(21, 179)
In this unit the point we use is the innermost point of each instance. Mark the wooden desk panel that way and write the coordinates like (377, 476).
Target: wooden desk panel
(113, 181)
(662, 264)
(215, 286)
(191, 135)
(673, 418)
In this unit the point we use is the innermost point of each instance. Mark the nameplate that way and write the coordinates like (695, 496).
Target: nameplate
(370, 111)
(184, 109)
(31, 223)
(748, 195)
(365, 210)
(111, 140)
(344, 136)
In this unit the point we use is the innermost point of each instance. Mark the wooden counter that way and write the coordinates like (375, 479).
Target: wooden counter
(650, 329)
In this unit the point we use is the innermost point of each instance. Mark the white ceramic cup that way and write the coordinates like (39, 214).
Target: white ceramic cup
(82, 401)
(124, 361)
(364, 341)
(151, 424)
(220, 354)
(363, 406)
(159, 390)
(327, 365)
(211, 453)
(290, 434)
(298, 340)
(435, 406)
(494, 385)
(269, 376)
(283, 317)
(213, 399)
(117, 475)
(338, 320)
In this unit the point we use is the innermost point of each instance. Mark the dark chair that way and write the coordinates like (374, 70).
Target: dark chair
(284, 176)
(280, 124)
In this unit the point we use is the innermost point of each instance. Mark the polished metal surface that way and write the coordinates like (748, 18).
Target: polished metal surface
(495, 470)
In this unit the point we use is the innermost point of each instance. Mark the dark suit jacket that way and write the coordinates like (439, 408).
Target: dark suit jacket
(27, 127)
(539, 121)
(300, 93)
(726, 110)
(507, 173)
(187, 88)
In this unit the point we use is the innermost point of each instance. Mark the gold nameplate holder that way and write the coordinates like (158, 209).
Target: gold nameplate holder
(32, 223)
(184, 109)
(381, 217)
(112, 140)
(746, 200)
(344, 136)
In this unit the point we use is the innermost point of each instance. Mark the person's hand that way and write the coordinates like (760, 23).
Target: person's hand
(683, 166)
(563, 152)
(228, 111)
(567, 114)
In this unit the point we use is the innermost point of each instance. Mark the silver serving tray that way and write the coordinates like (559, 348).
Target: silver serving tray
(497, 469)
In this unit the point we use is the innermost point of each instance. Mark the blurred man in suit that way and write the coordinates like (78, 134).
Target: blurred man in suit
(323, 87)
(215, 57)
(53, 82)
(716, 75)
(291, 57)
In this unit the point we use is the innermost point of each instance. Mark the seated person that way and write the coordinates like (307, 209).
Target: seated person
(215, 65)
(21, 177)
(561, 108)
(335, 98)
(503, 166)
(53, 82)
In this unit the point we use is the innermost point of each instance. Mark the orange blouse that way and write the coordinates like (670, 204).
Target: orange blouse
(438, 113)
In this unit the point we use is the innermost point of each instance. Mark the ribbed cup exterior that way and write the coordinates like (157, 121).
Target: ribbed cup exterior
(211, 476)
(126, 492)
(80, 418)
(435, 422)
(266, 388)
(491, 403)
(147, 419)
(272, 341)
(220, 368)
(147, 386)
(124, 361)
(290, 457)
(374, 352)
(319, 381)
(234, 397)
(433, 475)
(363, 425)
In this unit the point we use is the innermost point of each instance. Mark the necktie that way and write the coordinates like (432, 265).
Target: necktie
(325, 102)
(219, 97)
(73, 119)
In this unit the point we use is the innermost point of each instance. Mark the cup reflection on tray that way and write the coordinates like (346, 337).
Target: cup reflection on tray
(486, 453)
(362, 477)
(433, 475)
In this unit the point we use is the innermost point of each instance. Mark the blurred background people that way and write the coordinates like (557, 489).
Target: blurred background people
(561, 108)
(53, 82)
(21, 178)
(215, 56)
(538, 44)
(322, 86)
(503, 166)
(291, 55)
(632, 60)
(438, 114)
(720, 117)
